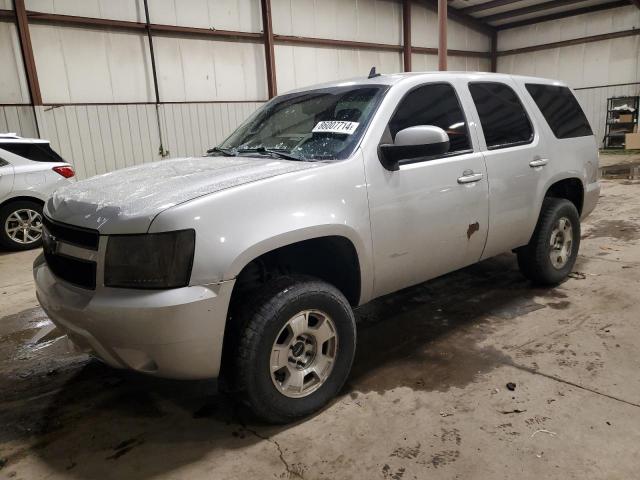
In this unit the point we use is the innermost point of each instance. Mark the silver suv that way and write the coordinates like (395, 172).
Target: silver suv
(245, 264)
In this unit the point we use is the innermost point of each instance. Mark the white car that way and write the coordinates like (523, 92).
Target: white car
(30, 171)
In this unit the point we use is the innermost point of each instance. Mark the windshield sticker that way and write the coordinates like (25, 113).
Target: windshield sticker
(336, 126)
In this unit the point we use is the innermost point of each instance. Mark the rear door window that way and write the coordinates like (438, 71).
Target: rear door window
(38, 152)
(561, 110)
(503, 118)
(433, 104)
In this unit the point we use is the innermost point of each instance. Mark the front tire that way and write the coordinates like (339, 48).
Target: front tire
(296, 346)
(21, 225)
(551, 254)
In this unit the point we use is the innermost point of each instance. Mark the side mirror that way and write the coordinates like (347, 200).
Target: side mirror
(413, 142)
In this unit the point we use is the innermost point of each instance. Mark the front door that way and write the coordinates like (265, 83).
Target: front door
(430, 216)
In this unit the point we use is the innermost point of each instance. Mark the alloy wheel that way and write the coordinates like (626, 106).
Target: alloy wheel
(24, 226)
(561, 243)
(304, 353)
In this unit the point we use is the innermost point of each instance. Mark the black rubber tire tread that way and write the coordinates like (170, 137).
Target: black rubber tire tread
(265, 314)
(5, 211)
(533, 259)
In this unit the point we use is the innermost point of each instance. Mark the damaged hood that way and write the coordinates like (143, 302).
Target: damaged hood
(126, 201)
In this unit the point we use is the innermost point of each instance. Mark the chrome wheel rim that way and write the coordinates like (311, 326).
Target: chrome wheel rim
(304, 353)
(24, 226)
(561, 243)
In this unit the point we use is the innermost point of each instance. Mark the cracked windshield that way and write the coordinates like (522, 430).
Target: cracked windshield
(324, 124)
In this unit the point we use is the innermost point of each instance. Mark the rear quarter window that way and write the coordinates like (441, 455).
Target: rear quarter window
(38, 152)
(561, 110)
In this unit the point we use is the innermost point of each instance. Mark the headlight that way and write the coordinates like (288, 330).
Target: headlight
(150, 261)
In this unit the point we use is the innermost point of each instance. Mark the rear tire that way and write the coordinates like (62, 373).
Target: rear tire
(21, 225)
(296, 344)
(551, 254)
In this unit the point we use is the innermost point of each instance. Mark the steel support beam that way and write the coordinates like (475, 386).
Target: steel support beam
(476, 24)
(488, 5)
(568, 13)
(573, 41)
(26, 48)
(406, 34)
(540, 7)
(7, 16)
(269, 55)
(329, 42)
(494, 52)
(442, 35)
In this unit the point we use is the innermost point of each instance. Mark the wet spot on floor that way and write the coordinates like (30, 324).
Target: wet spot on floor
(559, 305)
(428, 337)
(623, 171)
(618, 229)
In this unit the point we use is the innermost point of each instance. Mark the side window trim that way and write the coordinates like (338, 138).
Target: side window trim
(526, 112)
(464, 115)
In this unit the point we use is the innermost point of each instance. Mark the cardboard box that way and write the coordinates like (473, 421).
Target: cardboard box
(632, 141)
(625, 118)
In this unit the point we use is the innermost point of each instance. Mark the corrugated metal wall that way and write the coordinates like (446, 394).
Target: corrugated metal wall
(596, 64)
(594, 103)
(18, 119)
(102, 138)
(97, 84)
(189, 129)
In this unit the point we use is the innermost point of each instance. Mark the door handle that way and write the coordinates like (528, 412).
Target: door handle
(468, 176)
(541, 162)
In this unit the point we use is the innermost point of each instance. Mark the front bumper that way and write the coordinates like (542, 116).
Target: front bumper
(175, 333)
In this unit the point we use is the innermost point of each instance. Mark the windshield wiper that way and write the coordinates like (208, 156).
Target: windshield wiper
(227, 152)
(271, 151)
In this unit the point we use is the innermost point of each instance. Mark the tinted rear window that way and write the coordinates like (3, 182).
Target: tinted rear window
(561, 110)
(38, 152)
(503, 118)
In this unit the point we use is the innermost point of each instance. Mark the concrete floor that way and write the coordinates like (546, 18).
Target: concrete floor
(427, 397)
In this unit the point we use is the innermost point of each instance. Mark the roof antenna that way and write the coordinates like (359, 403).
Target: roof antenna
(372, 73)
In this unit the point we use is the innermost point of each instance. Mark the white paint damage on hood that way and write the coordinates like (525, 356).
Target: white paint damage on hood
(127, 200)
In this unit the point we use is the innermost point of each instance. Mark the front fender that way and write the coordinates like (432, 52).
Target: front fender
(237, 225)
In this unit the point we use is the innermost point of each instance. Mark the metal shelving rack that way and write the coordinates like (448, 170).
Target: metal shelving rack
(616, 130)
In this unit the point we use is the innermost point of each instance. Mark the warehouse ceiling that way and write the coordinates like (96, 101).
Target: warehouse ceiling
(503, 14)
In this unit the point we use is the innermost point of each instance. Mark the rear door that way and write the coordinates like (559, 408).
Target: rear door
(515, 158)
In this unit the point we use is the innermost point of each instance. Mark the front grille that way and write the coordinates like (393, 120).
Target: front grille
(83, 237)
(78, 272)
